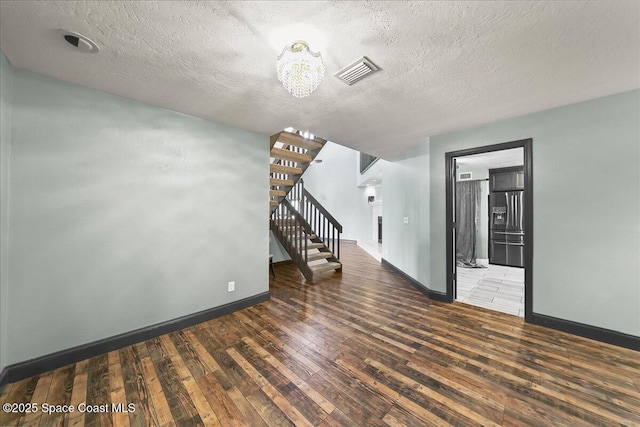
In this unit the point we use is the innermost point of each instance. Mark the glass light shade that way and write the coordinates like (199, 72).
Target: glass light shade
(299, 69)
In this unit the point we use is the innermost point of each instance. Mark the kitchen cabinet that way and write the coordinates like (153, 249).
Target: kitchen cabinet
(506, 179)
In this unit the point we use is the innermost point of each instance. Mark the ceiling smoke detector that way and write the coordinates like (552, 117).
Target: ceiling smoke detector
(79, 42)
(357, 71)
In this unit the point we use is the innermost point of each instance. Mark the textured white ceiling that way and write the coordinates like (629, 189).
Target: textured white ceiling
(445, 65)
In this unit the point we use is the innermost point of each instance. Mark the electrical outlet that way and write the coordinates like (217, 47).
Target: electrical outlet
(406, 220)
(232, 286)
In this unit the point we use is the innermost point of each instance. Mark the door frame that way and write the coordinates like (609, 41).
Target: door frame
(450, 172)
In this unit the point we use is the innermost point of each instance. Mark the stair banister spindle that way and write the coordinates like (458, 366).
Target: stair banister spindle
(334, 232)
(298, 231)
(284, 219)
(288, 225)
(324, 233)
(301, 198)
(328, 234)
(324, 230)
(333, 242)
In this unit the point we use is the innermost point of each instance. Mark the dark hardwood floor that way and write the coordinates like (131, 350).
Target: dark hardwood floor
(360, 348)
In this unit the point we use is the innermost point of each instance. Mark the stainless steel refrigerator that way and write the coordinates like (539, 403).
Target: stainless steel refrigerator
(506, 227)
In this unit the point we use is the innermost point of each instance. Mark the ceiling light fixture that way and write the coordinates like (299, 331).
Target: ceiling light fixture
(78, 41)
(299, 69)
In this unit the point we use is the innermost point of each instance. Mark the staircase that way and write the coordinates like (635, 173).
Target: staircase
(309, 234)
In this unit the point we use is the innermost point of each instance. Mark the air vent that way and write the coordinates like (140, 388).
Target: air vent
(464, 176)
(79, 42)
(357, 71)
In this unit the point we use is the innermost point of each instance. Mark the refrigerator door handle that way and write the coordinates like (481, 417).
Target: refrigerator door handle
(508, 221)
(515, 210)
(521, 211)
(514, 203)
(517, 207)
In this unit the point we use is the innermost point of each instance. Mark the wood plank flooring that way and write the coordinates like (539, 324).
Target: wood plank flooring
(360, 348)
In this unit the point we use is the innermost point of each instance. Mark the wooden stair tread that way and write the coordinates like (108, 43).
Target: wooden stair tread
(281, 182)
(287, 170)
(274, 202)
(308, 236)
(314, 245)
(298, 141)
(321, 268)
(279, 153)
(319, 255)
(277, 193)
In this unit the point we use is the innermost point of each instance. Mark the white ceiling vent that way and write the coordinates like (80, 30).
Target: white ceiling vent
(357, 71)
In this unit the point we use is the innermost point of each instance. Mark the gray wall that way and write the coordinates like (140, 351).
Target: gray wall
(124, 215)
(5, 143)
(587, 207)
(406, 194)
(333, 184)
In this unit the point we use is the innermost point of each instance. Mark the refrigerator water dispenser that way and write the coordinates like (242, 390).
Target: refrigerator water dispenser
(498, 216)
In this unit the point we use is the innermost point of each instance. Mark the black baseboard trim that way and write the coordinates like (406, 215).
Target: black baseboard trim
(39, 365)
(434, 295)
(593, 332)
(4, 379)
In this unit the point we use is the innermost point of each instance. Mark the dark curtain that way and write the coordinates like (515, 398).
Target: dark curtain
(467, 210)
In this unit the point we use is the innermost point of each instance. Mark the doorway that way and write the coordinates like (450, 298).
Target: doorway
(476, 269)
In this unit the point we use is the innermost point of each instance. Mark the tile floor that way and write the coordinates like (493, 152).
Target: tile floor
(495, 287)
